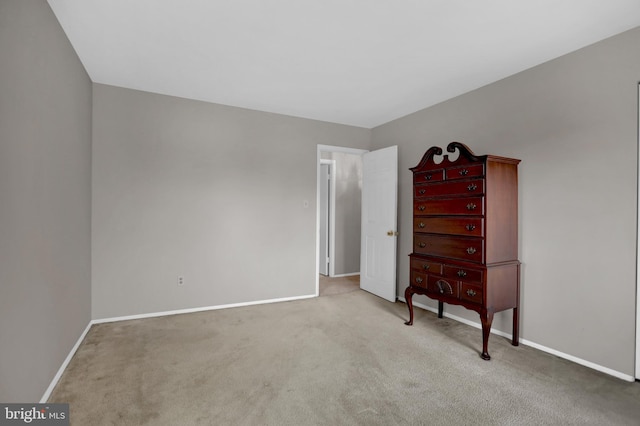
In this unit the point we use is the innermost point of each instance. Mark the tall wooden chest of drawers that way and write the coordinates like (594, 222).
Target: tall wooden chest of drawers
(465, 234)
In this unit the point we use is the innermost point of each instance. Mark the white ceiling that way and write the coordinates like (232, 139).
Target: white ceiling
(357, 62)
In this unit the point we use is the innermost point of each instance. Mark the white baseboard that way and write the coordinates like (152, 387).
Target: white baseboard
(345, 275)
(63, 367)
(542, 348)
(602, 369)
(201, 309)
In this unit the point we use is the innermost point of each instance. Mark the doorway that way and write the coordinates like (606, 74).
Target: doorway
(330, 286)
(339, 189)
(364, 236)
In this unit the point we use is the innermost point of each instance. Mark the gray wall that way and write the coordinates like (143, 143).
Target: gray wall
(45, 199)
(573, 122)
(210, 192)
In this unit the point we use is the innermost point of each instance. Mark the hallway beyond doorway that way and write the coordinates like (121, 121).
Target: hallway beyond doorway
(338, 285)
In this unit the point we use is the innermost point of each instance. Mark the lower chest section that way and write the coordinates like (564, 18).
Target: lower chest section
(455, 281)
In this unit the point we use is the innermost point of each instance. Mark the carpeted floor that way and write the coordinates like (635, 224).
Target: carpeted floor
(341, 360)
(330, 286)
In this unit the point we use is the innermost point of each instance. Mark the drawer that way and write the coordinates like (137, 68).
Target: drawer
(463, 273)
(471, 226)
(426, 266)
(449, 206)
(471, 293)
(441, 285)
(467, 187)
(469, 249)
(429, 176)
(418, 279)
(464, 172)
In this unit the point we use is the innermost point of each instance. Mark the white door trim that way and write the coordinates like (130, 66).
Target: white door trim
(331, 148)
(637, 372)
(332, 214)
(319, 150)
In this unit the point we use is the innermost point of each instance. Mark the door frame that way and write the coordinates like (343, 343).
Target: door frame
(319, 150)
(637, 369)
(331, 216)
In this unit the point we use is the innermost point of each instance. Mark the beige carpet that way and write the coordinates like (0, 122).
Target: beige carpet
(330, 286)
(341, 360)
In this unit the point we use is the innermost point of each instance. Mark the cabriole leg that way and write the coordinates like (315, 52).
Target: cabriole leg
(486, 319)
(408, 296)
(515, 341)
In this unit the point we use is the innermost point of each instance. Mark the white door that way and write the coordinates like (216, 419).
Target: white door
(379, 222)
(323, 252)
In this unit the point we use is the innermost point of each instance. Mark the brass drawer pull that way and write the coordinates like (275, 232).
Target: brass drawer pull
(422, 245)
(471, 293)
(471, 206)
(426, 267)
(462, 273)
(471, 250)
(444, 287)
(463, 172)
(428, 177)
(422, 191)
(421, 208)
(470, 227)
(472, 187)
(419, 280)
(421, 225)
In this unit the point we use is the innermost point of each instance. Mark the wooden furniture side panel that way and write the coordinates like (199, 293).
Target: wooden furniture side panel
(501, 212)
(502, 288)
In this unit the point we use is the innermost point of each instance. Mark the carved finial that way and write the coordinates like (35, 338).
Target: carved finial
(463, 149)
(428, 157)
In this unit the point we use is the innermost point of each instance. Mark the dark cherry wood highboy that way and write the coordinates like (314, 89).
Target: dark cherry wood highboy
(465, 234)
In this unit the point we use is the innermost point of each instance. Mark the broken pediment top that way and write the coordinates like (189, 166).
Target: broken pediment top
(434, 157)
